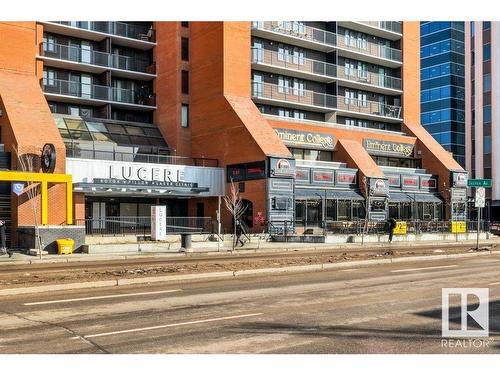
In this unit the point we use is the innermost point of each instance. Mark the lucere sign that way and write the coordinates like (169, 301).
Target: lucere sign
(310, 140)
(375, 146)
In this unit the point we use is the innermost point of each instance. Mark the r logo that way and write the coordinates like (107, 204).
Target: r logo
(479, 314)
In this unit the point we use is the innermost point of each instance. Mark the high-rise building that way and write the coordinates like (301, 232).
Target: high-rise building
(482, 116)
(442, 94)
(317, 123)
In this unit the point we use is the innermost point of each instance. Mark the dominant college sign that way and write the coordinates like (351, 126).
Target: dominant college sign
(378, 147)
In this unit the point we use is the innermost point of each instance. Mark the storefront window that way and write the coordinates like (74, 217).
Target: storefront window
(313, 212)
(300, 212)
(358, 210)
(331, 208)
(394, 210)
(406, 210)
(305, 154)
(344, 210)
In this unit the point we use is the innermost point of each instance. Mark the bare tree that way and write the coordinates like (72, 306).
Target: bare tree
(235, 206)
(28, 163)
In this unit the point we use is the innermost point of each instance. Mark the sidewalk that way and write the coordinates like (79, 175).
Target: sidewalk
(251, 248)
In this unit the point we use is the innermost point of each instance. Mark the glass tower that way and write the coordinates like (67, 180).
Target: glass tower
(442, 94)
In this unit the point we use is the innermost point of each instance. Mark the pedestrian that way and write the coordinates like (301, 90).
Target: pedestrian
(239, 232)
(391, 224)
(3, 240)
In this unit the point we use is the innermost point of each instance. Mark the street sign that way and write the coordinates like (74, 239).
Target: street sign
(480, 197)
(479, 182)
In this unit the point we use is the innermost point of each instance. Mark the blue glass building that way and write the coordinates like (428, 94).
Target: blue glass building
(442, 87)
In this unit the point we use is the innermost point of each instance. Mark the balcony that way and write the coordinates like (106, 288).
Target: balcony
(279, 63)
(85, 59)
(368, 109)
(314, 70)
(85, 93)
(136, 36)
(292, 97)
(362, 49)
(391, 30)
(295, 33)
(375, 82)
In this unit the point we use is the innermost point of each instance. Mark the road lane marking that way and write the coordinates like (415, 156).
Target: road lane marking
(497, 283)
(423, 268)
(100, 297)
(166, 326)
(350, 269)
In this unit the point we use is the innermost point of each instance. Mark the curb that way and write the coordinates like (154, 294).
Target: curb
(230, 274)
(263, 251)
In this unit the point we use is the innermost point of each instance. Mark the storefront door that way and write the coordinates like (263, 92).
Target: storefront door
(98, 215)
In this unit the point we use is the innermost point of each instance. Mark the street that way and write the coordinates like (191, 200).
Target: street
(394, 308)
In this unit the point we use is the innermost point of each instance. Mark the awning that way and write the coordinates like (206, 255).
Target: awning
(330, 194)
(413, 197)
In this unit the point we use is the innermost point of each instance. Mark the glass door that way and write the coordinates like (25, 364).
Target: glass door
(85, 53)
(98, 215)
(74, 51)
(257, 51)
(86, 86)
(74, 84)
(257, 84)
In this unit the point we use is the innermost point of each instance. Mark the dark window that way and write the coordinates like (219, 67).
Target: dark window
(185, 49)
(185, 82)
(185, 24)
(200, 209)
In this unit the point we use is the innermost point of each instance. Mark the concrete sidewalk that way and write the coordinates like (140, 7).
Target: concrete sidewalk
(263, 248)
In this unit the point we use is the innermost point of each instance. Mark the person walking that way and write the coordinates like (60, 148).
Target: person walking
(239, 232)
(3, 240)
(391, 224)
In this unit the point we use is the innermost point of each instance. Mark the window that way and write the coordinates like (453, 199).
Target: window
(185, 24)
(49, 44)
(487, 113)
(185, 82)
(486, 25)
(487, 144)
(285, 112)
(350, 122)
(73, 111)
(185, 115)
(487, 52)
(185, 49)
(49, 77)
(487, 82)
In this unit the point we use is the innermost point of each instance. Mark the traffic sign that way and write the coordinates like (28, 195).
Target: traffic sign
(480, 197)
(479, 182)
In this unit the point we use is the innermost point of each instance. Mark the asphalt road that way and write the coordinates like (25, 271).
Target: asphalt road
(392, 308)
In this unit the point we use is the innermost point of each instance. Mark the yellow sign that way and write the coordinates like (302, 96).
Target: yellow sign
(458, 227)
(400, 228)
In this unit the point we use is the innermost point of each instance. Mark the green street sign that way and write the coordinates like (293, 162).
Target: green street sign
(479, 182)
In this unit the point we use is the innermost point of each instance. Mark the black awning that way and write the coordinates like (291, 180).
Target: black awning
(330, 194)
(414, 197)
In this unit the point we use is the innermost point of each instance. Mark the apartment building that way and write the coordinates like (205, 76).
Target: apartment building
(318, 123)
(442, 71)
(482, 114)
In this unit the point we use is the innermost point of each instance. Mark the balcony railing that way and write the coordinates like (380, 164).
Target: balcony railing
(363, 76)
(88, 56)
(366, 47)
(127, 30)
(301, 64)
(367, 107)
(293, 62)
(298, 30)
(95, 151)
(292, 95)
(393, 26)
(296, 95)
(98, 92)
